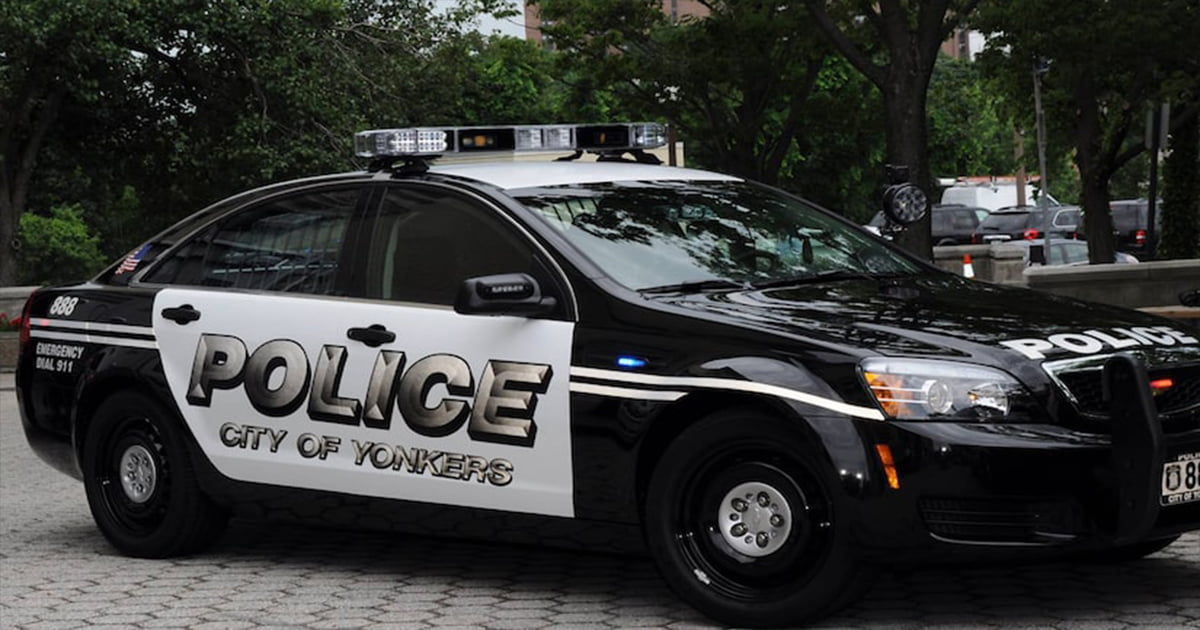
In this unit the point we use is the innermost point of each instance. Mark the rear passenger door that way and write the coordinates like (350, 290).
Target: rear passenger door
(332, 358)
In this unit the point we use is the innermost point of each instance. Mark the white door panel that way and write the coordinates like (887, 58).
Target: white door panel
(474, 412)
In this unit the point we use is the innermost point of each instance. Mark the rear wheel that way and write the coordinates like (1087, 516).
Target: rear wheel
(741, 517)
(140, 484)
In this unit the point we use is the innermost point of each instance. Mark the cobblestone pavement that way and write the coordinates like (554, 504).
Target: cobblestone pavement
(56, 572)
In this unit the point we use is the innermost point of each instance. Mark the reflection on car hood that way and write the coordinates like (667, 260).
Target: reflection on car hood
(933, 315)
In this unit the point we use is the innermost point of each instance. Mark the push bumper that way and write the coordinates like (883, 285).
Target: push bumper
(965, 488)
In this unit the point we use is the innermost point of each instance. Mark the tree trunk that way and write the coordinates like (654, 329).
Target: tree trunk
(1098, 226)
(1093, 175)
(1181, 197)
(907, 145)
(8, 233)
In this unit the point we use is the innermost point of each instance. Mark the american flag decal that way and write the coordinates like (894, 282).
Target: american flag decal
(131, 261)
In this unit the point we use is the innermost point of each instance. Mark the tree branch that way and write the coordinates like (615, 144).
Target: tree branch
(33, 145)
(193, 87)
(1177, 121)
(1117, 139)
(931, 18)
(775, 158)
(854, 55)
(948, 25)
(34, 91)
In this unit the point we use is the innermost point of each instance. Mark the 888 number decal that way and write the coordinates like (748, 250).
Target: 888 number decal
(63, 305)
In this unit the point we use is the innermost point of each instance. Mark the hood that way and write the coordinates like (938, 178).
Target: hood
(942, 315)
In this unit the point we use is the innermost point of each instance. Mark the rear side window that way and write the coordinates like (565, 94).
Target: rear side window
(941, 221)
(293, 244)
(1066, 218)
(964, 219)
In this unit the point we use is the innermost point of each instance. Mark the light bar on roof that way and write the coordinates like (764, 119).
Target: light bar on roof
(433, 141)
(399, 142)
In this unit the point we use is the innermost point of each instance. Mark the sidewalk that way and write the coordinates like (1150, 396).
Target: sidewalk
(7, 381)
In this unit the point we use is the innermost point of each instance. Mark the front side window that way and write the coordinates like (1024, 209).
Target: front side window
(658, 234)
(425, 242)
(292, 244)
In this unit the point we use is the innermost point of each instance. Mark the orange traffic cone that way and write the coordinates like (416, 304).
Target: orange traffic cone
(968, 269)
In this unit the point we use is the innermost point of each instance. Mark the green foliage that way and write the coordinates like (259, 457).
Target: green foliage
(153, 109)
(1108, 60)
(1132, 180)
(967, 133)
(135, 114)
(836, 164)
(508, 81)
(1181, 197)
(735, 83)
(58, 248)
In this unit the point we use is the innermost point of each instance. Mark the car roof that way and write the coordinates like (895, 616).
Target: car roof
(1064, 242)
(511, 175)
(1019, 209)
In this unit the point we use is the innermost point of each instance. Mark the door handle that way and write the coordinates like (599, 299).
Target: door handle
(183, 314)
(374, 335)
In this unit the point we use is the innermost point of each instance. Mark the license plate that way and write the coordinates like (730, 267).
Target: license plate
(1181, 480)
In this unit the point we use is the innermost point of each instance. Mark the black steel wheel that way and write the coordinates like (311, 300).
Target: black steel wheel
(140, 484)
(741, 518)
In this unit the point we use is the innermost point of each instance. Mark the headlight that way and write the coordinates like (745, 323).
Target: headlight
(917, 389)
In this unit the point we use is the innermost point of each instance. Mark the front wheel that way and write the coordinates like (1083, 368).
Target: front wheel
(139, 481)
(1130, 552)
(741, 517)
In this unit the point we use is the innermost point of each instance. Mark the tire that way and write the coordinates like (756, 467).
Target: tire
(1131, 552)
(746, 468)
(157, 510)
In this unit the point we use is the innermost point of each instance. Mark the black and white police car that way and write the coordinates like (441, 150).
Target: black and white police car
(776, 399)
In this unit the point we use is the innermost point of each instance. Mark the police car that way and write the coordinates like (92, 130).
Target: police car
(776, 399)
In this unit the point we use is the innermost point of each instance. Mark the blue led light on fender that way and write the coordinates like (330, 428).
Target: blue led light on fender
(631, 362)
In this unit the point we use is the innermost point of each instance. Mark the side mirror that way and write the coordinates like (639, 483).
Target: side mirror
(905, 204)
(504, 294)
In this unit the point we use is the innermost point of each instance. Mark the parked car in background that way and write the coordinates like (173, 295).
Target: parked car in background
(952, 223)
(1066, 252)
(1026, 223)
(1131, 224)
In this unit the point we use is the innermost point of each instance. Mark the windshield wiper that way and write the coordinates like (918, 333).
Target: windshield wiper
(818, 276)
(696, 286)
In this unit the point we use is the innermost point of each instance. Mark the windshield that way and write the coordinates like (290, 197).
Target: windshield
(707, 234)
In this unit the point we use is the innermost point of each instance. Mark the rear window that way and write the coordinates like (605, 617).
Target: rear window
(1005, 221)
(1129, 217)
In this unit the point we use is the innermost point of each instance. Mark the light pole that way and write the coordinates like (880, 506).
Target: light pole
(1040, 67)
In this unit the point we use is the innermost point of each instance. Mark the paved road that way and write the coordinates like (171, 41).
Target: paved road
(56, 572)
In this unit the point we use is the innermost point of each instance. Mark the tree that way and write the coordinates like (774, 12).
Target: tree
(171, 104)
(910, 35)
(735, 83)
(1181, 199)
(968, 131)
(53, 53)
(508, 80)
(59, 246)
(1109, 60)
